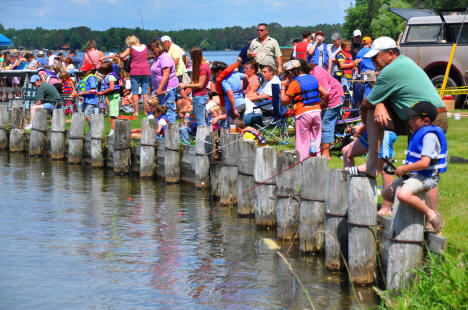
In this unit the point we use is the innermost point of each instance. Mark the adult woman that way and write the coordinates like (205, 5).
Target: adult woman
(139, 70)
(303, 90)
(164, 78)
(331, 108)
(250, 70)
(93, 55)
(201, 74)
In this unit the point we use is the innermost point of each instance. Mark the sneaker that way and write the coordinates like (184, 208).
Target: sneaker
(111, 132)
(27, 127)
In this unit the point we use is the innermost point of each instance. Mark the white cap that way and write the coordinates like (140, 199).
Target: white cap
(357, 33)
(382, 43)
(166, 38)
(111, 54)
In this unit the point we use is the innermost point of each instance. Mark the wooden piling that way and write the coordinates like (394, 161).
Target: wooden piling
(17, 130)
(172, 143)
(97, 137)
(57, 136)
(336, 228)
(4, 127)
(265, 168)
(362, 222)
(147, 148)
(122, 155)
(38, 133)
(76, 137)
(311, 215)
(245, 181)
(203, 148)
(406, 251)
(229, 171)
(288, 195)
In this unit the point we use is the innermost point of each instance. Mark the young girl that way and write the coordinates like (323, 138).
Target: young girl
(111, 89)
(158, 112)
(303, 91)
(68, 89)
(126, 92)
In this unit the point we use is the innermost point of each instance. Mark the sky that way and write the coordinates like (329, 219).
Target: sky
(167, 14)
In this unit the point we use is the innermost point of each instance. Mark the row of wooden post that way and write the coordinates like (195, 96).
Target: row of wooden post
(326, 210)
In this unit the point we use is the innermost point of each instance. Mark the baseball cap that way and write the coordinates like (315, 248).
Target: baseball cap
(34, 79)
(357, 33)
(292, 64)
(40, 53)
(86, 67)
(320, 32)
(382, 43)
(366, 40)
(423, 109)
(165, 38)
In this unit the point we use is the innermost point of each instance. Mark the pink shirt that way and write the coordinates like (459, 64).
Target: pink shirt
(95, 56)
(139, 64)
(334, 88)
(206, 71)
(253, 81)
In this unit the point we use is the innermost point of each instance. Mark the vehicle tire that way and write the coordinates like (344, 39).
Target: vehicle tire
(439, 79)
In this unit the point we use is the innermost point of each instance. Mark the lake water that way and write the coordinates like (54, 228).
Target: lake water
(77, 238)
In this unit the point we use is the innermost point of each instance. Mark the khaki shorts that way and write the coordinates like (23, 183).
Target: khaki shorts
(417, 183)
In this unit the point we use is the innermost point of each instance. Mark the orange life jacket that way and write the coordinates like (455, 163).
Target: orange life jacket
(348, 60)
(221, 77)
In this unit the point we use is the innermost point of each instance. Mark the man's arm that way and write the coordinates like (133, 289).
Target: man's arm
(381, 115)
(255, 96)
(38, 102)
(280, 65)
(232, 102)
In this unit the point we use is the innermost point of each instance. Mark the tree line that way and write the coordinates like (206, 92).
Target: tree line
(113, 39)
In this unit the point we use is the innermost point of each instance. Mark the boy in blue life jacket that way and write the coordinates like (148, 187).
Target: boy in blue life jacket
(88, 90)
(426, 158)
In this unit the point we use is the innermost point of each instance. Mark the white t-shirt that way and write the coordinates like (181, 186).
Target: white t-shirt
(51, 60)
(266, 87)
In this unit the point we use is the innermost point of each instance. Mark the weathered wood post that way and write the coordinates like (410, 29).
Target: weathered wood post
(122, 155)
(336, 228)
(57, 136)
(172, 143)
(311, 217)
(203, 146)
(362, 222)
(265, 167)
(97, 136)
(17, 130)
(38, 133)
(76, 137)
(4, 124)
(405, 251)
(228, 173)
(245, 182)
(288, 194)
(147, 148)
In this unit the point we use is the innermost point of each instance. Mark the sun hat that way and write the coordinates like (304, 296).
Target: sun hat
(357, 33)
(166, 38)
(423, 109)
(86, 67)
(380, 44)
(34, 79)
(366, 40)
(292, 64)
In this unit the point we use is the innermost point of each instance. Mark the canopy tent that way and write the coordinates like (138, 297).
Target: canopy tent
(4, 41)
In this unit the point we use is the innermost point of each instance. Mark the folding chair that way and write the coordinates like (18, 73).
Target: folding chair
(275, 121)
(342, 133)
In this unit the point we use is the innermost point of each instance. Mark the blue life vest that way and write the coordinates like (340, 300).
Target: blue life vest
(309, 90)
(83, 86)
(116, 70)
(105, 84)
(315, 57)
(413, 154)
(164, 117)
(49, 74)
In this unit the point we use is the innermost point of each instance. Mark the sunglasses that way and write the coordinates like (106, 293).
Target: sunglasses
(261, 30)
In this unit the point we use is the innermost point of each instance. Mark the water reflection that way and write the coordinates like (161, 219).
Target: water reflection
(74, 237)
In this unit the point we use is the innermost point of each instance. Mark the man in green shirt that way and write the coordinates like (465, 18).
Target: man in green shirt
(47, 97)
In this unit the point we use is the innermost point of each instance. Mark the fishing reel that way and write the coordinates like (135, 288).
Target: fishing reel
(389, 169)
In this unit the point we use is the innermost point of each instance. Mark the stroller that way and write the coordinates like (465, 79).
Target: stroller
(343, 134)
(275, 124)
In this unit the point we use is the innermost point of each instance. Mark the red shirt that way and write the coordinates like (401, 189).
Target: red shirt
(206, 71)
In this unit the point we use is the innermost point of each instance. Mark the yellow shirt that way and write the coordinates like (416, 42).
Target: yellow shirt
(176, 53)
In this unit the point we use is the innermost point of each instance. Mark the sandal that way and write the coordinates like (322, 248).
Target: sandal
(437, 223)
(354, 171)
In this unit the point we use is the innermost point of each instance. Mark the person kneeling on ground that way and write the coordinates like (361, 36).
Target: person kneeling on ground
(248, 133)
(426, 158)
(47, 97)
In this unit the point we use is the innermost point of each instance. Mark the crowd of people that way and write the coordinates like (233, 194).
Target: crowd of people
(391, 93)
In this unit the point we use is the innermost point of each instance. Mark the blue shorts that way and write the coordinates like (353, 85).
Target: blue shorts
(48, 106)
(138, 80)
(91, 109)
(386, 149)
(329, 118)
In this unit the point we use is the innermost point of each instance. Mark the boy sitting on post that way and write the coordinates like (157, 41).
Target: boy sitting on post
(426, 158)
